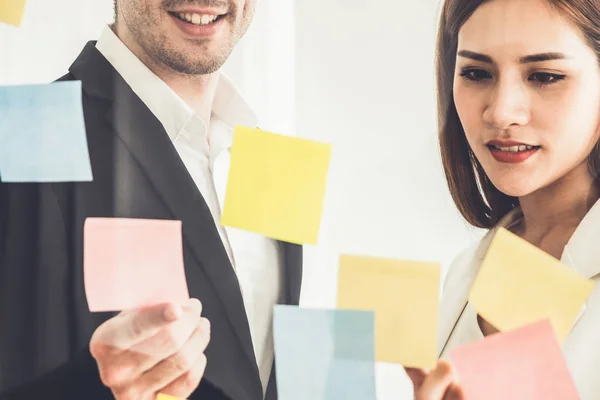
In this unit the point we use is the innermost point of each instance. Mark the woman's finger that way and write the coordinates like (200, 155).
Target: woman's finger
(454, 392)
(417, 376)
(437, 382)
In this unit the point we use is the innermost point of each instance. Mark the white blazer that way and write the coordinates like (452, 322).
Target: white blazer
(582, 254)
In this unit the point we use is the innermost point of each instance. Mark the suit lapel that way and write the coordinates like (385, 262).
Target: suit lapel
(293, 272)
(146, 139)
(292, 253)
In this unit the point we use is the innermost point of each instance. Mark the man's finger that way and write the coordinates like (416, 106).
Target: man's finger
(129, 327)
(179, 364)
(145, 323)
(195, 305)
(167, 341)
(187, 383)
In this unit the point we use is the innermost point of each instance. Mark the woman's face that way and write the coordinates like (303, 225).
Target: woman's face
(527, 91)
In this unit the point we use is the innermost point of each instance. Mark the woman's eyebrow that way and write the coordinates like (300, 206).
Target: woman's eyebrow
(532, 58)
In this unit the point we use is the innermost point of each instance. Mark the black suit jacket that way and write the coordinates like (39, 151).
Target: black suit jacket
(44, 316)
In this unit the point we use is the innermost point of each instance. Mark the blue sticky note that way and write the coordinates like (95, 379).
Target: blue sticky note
(42, 134)
(324, 354)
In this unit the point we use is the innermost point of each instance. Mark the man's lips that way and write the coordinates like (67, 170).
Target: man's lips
(210, 12)
(198, 25)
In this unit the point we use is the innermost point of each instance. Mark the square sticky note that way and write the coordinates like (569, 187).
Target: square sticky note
(521, 364)
(518, 284)
(11, 11)
(42, 134)
(133, 263)
(404, 296)
(276, 185)
(324, 354)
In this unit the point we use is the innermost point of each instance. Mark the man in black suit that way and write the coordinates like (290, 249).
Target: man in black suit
(159, 119)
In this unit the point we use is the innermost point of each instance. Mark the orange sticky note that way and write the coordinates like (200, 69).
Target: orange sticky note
(519, 284)
(276, 185)
(405, 298)
(133, 263)
(12, 11)
(522, 364)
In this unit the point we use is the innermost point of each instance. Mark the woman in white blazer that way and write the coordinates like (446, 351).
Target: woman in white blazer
(519, 118)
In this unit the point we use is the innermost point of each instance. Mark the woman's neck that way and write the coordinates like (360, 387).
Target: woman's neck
(551, 215)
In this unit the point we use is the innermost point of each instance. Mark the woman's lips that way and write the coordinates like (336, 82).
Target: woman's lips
(514, 154)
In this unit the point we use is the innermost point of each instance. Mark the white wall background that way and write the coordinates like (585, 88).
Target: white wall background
(365, 82)
(355, 74)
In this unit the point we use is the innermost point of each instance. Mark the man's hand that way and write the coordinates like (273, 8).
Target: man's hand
(154, 350)
(438, 384)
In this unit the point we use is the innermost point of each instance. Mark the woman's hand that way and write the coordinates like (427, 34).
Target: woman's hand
(440, 383)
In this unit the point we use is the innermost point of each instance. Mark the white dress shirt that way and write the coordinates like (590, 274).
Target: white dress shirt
(458, 319)
(256, 259)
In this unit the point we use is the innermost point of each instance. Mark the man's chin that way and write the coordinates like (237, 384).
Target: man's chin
(184, 62)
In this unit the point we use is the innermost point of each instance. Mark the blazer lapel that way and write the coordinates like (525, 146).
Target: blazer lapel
(457, 288)
(293, 272)
(582, 252)
(292, 253)
(150, 145)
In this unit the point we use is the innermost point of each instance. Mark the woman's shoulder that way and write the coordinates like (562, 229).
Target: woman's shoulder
(464, 263)
(468, 261)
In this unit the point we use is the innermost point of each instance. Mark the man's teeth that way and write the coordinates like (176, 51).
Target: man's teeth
(514, 149)
(198, 19)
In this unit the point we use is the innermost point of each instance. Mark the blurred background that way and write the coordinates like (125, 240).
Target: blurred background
(359, 75)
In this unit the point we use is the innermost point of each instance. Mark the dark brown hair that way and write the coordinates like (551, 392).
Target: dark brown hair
(477, 199)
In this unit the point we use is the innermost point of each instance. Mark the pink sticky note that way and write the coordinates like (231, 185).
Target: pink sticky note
(522, 364)
(133, 263)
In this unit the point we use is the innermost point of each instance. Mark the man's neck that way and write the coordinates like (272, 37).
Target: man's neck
(197, 91)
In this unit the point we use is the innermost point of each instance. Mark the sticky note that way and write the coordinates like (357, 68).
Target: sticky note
(404, 296)
(276, 185)
(133, 263)
(11, 11)
(519, 284)
(167, 397)
(42, 134)
(324, 354)
(521, 364)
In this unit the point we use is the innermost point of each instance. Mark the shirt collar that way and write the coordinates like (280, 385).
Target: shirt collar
(173, 113)
(582, 252)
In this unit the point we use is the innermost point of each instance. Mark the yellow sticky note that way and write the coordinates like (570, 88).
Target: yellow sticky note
(276, 185)
(519, 284)
(11, 11)
(404, 296)
(167, 397)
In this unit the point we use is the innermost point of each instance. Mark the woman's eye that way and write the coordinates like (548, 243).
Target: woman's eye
(475, 75)
(545, 78)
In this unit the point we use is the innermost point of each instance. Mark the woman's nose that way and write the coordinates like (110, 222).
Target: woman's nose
(508, 106)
